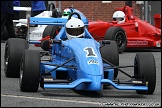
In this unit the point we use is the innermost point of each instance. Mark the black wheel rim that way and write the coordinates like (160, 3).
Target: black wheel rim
(120, 38)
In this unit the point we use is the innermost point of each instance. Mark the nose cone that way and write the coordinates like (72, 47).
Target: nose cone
(95, 85)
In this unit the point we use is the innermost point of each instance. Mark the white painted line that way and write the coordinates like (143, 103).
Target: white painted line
(109, 104)
(60, 100)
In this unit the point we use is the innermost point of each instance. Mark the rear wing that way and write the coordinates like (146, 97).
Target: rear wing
(51, 21)
(26, 9)
(22, 8)
(57, 21)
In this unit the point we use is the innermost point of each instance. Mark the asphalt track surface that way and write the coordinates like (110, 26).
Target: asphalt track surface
(11, 96)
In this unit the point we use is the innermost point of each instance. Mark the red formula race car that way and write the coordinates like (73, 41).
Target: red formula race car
(133, 33)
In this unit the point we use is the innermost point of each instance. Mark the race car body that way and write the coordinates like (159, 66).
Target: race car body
(133, 33)
(78, 63)
(36, 30)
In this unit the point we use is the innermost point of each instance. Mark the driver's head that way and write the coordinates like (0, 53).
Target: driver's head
(66, 12)
(74, 28)
(119, 16)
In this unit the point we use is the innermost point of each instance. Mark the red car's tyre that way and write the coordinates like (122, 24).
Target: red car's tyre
(30, 71)
(117, 34)
(110, 53)
(51, 31)
(145, 69)
(13, 53)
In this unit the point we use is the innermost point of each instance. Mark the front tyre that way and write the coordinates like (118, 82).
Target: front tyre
(110, 53)
(13, 53)
(145, 69)
(30, 71)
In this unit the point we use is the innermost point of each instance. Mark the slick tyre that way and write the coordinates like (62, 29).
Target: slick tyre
(110, 53)
(50, 7)
(146, 70)
(51, 31)
(30, 71)
(13, 53)
(117, 34)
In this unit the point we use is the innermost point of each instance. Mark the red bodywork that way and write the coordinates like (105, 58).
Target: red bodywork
(143, 36)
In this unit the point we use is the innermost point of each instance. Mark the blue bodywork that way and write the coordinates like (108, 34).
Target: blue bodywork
(88, 73)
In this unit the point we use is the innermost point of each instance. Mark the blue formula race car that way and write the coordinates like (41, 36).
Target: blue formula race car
(75, 63)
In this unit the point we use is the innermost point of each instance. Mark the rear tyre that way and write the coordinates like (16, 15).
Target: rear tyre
(13, 53)
(117, 34)
(146, 70)
(110, 53)
(30, 71)
(50, 7)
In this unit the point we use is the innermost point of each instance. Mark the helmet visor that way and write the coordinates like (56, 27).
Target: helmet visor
(75, 31)
(118, 19)
(66, 13)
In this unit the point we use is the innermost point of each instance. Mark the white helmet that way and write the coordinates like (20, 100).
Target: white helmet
(74, 28)
(119, 16)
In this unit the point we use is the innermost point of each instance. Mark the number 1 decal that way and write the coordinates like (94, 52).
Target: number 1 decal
(90, 52)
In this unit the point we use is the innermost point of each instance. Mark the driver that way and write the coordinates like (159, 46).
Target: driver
(74, 28)
(119, 16)
(66, 13)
